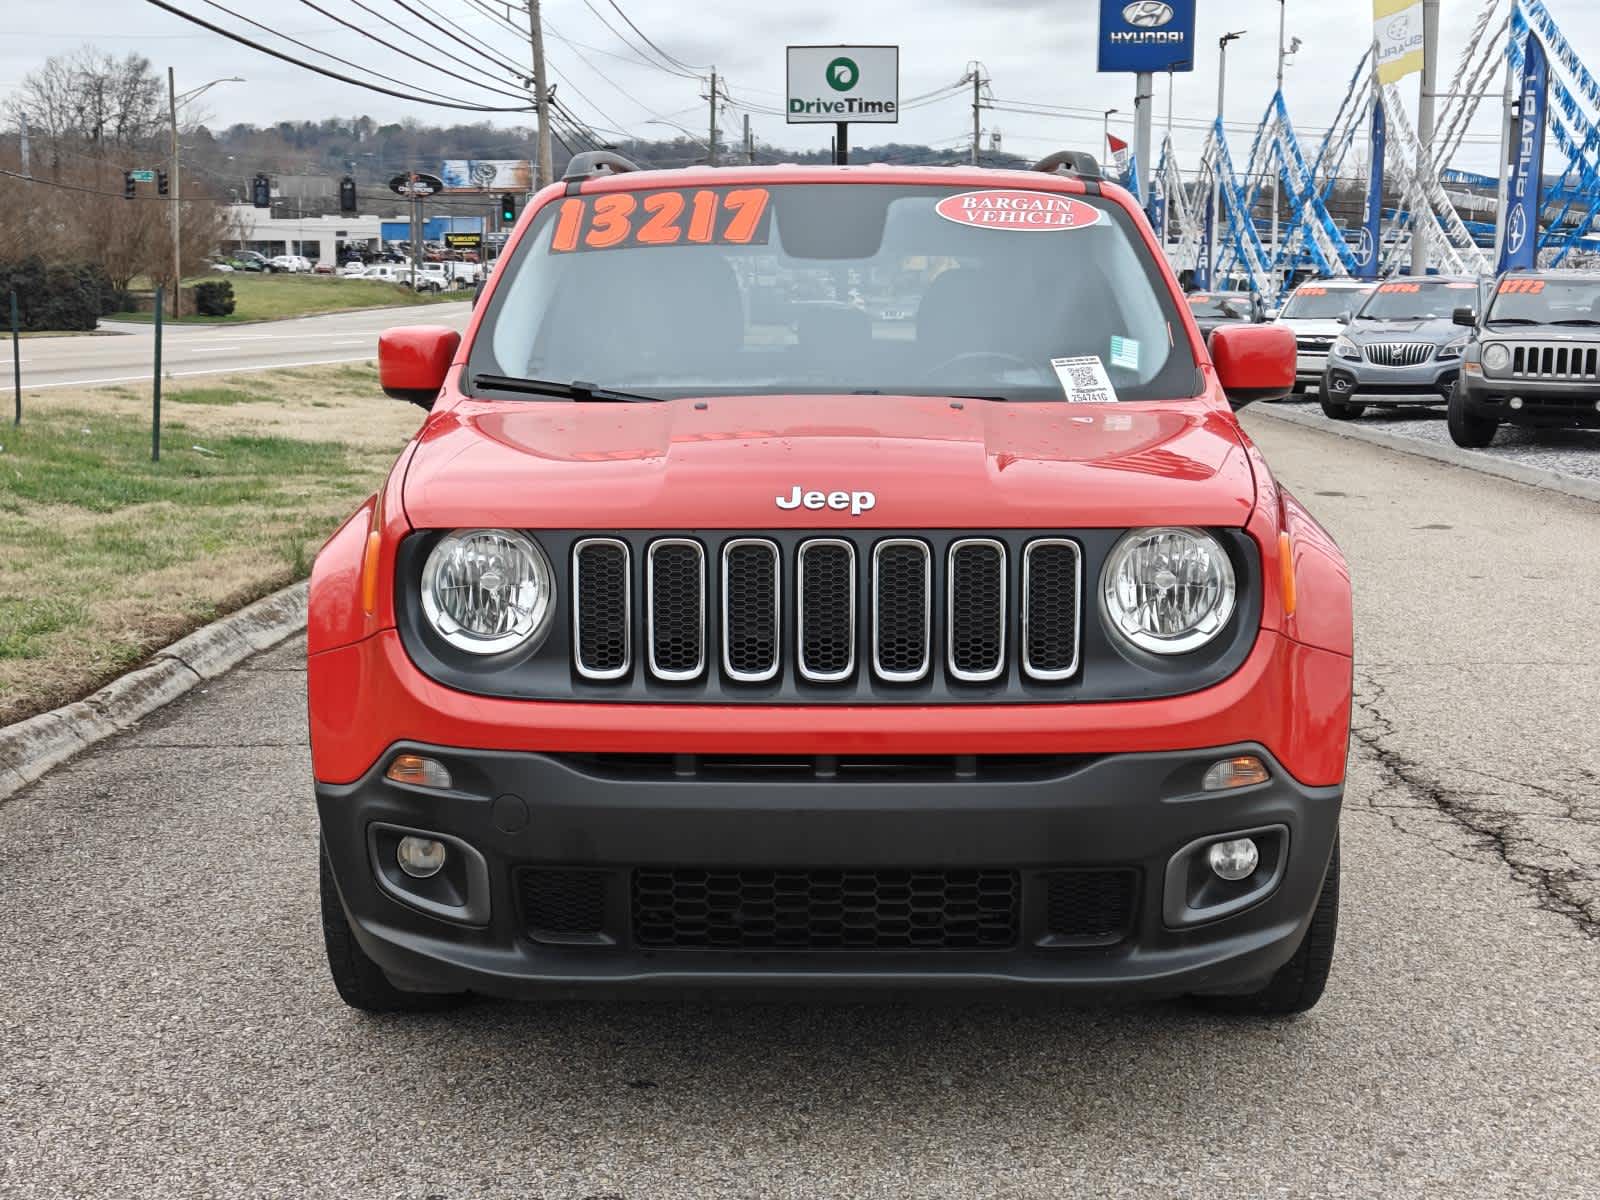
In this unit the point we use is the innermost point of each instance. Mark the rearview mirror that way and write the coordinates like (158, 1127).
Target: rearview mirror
(413, 361)
(1254, 362)
(1465, 316)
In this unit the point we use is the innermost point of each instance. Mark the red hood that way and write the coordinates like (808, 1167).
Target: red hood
(722, 463)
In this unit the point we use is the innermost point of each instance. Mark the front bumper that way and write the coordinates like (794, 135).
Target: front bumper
(612, 817)
(1544, 402)
(1426, 383)
(1309, 365)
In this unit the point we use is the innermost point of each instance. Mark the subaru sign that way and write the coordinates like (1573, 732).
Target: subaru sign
(1147, 35)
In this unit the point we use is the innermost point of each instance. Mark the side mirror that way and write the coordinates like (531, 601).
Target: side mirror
(1344, 317)
(1254, 362)
(1465, 316)
(413, 361)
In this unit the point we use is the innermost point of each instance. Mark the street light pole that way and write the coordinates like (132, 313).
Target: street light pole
(1216, 156)
(1430, 57)
(174, 188)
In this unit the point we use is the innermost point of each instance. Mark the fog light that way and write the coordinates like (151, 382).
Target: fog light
(423, 858)
(423, 772)
(1239, 772)
(1231, 860)
(1515, 402)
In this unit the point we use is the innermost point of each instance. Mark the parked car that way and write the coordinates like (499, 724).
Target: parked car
(1534, 357)
(324, 268)
(247, 260)
(389, 272)
(292, 264)
(1401, 348)
(1213, 309)
(220, 265)
(1316, 313)
(989, 655)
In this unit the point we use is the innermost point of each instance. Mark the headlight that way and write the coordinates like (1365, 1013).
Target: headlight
(487, 590)
(1345, 348)
(1454, 349)
(1496, 356)
(1168, 590)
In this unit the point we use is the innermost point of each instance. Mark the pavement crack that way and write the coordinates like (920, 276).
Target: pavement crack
(1558, 890)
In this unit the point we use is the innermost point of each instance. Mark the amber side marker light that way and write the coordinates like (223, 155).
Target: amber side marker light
(419, 771)
(1243, 771)
(370, 557)
(1286, 566)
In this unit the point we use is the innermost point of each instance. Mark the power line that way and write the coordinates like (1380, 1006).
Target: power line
(476, 45)
(324, 71)
(677, 62)
(681, 72)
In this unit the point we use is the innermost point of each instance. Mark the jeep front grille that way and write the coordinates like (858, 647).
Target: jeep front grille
(827, 611)
(1555, 361)
(1398, 354)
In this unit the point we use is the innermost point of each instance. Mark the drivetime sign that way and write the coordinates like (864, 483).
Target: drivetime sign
(1147, 35)
(834, 85)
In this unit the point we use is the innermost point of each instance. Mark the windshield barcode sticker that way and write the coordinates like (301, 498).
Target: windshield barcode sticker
(1084, 380)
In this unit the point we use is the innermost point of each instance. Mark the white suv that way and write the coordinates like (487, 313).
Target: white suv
(1314, 311)
(293, 264)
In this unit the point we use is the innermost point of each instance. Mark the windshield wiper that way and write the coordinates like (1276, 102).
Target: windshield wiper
(1577, 321)
(1512, 321)
(578, 389)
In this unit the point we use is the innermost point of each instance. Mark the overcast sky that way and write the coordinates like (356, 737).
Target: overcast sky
(1039, 51)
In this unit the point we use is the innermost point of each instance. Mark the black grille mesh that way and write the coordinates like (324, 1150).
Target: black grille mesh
(902, 599)
(1052, 607)
(827, 571)
(677, 634)
(602, 589)
(562, 904)
(977, 611)
(1091, 907)
(825, 909)
(751, 614)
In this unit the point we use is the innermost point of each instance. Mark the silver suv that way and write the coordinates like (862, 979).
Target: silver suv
(1402, 347)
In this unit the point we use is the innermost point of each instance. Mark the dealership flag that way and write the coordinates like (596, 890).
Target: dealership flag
(1397, 30)
(1367, 249)
(1519, 248)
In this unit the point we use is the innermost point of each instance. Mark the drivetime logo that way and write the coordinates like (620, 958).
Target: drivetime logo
(1147, 20)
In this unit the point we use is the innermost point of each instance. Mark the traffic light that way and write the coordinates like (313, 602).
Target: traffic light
(347, 195)
(161, 183)
(129, 187)
(508, 209)
(261, 192)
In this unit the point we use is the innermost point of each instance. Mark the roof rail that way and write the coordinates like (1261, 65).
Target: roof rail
(597, 162)
(1077, 162)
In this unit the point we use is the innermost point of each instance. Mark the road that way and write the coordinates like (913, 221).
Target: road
(123, 353)
(169, 1028)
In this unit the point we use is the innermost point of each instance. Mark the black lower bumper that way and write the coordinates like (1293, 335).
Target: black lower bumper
(1547, 403)
(1411, 386)
(620, 826)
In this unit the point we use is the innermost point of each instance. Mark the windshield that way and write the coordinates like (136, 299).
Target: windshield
(1234, 307)
(1519, 298)
(1421, 300)
(1313, 302)
(794, 288)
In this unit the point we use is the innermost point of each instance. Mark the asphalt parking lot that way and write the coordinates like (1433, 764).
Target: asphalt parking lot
(169, 1028)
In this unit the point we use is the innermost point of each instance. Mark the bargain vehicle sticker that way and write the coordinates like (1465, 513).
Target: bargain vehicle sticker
(1521, 287)
(690, 217)
(1007, 208)
(1084, 380)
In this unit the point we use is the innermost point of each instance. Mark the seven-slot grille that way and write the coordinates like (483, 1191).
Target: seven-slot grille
(828, 607)
(1314, 343)
(1555, 361)
(1398, 354)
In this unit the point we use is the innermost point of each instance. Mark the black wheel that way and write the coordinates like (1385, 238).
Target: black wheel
(1468, 430)
(1337, 410)
(1296, 986)
(360, 981)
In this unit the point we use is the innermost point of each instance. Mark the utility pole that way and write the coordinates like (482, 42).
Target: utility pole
(1430, 58)
(22, 146)
(1216, 158)
(711, 152)
(749, 145)
(175, 190)
(541, 96)
(977, 132)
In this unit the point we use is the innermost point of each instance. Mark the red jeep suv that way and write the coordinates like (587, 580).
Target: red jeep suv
(831, 576)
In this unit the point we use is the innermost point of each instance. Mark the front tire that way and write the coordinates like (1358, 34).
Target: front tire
(1467, 429)
(1296, 986)
(360, 982)
(1338, 410)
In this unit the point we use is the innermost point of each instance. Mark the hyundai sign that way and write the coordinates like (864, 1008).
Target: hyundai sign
(1147, 35)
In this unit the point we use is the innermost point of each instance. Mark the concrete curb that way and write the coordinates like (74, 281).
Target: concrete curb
(30, 748)
(1455, 456)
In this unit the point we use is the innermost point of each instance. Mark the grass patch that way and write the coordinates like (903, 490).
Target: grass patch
(106, 556)
(278, 297)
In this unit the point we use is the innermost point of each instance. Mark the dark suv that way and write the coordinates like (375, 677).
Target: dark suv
(1535, 359)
